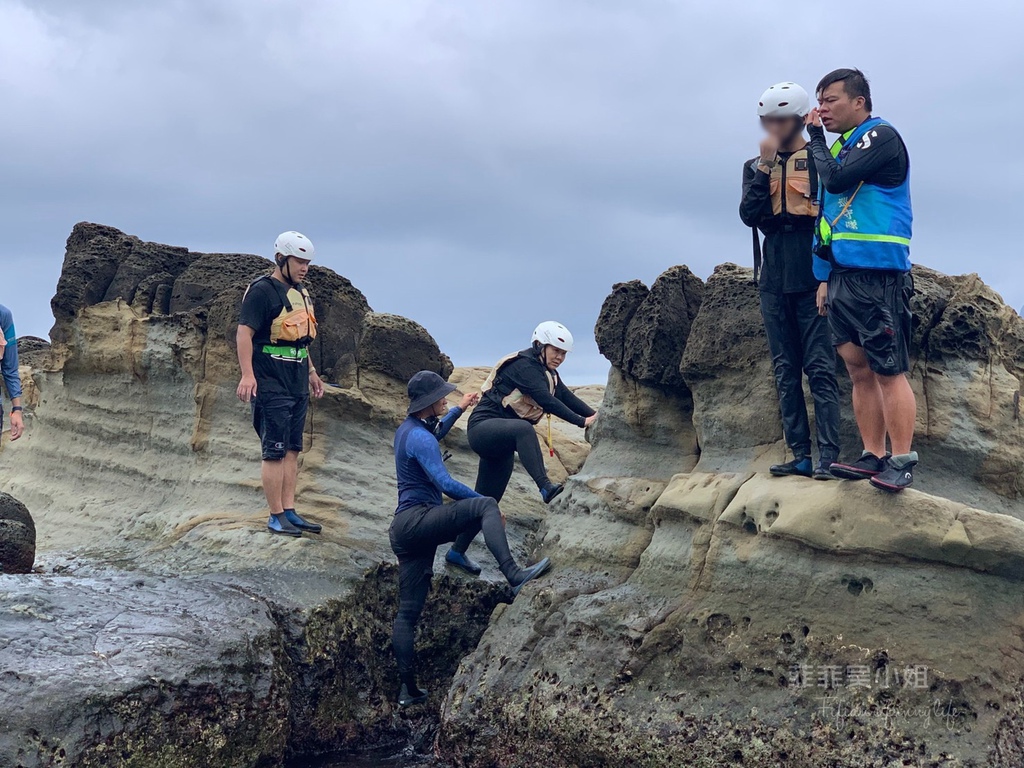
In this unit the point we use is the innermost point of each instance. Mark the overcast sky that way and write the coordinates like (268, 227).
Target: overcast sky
(479, 165)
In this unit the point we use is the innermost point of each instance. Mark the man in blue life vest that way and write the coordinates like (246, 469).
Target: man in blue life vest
(780, 200)
(9, 371)
(863, 236)
(276, 327)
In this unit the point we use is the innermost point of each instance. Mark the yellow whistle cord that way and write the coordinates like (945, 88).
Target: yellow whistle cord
(551, 446)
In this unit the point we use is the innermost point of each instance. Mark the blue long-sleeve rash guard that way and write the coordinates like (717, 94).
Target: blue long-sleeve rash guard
(9, 363)
(422, 475)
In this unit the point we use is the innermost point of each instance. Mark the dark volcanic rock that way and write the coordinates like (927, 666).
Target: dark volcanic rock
(33, 351)
(613, 322)
(94, 253)
(212, 273)
(658, 331)
(17, 536)
(340, 309)
(399, 347)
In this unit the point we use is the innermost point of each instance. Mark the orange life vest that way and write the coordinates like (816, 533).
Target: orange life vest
(792, 188)
(524, 406)
(295, 326)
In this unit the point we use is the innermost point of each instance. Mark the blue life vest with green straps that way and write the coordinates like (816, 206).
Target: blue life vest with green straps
(868, 226)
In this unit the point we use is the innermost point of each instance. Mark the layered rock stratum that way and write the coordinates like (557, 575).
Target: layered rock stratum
(706, 614)
(701, 613)
(166, 627)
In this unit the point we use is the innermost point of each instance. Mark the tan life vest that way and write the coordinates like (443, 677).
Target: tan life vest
(797, 198)
(524, 406)
(295, 326)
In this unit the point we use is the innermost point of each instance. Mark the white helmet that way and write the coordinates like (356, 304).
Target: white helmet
(553, 334)
(293, 243)
(784, 100)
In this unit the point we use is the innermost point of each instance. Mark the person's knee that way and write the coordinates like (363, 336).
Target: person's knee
(893, 383)
(520, 428)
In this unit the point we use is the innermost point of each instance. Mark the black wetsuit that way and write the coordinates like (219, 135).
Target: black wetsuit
(422, 522)
(798, 337)
(497, 433)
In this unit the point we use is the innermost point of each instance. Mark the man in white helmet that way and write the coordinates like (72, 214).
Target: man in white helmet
(780, 200)
(276, 327)
(521, 389)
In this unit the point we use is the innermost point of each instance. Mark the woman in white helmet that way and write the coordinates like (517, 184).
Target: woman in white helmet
(522, 388)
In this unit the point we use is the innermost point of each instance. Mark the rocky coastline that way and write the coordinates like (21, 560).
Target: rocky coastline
(701, 613)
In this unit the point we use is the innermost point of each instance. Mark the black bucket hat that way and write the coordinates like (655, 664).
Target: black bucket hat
(425, 389)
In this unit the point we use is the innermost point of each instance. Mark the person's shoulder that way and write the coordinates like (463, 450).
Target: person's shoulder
(880, 133)
(750, 166)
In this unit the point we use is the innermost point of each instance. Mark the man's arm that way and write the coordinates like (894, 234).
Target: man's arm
(879, 153)
(444, 426)
(247, 385)
(11, 377)
(757, 195)
(424, 448)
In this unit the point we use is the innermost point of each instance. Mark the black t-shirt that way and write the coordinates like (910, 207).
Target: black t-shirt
(788, 259)
(275, 374)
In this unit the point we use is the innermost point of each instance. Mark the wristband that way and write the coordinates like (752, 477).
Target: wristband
(16, 408)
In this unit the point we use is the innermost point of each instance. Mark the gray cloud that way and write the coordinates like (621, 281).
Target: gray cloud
(476, 166)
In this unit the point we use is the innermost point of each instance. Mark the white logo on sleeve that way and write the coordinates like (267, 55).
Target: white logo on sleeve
(865, 142)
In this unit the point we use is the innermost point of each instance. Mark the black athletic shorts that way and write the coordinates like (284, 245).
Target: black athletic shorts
(871, 308)
(280, 421)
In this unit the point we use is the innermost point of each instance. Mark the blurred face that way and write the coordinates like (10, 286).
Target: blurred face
(782, 129)
(839, 113)
(553, 357)
(440, 408)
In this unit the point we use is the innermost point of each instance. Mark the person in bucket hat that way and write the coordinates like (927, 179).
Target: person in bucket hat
(422, 521)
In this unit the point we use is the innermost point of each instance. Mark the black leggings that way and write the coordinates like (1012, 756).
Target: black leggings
(497, 441)
(415, 535)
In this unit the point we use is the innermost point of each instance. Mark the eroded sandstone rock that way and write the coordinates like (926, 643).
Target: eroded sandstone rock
(702, 612)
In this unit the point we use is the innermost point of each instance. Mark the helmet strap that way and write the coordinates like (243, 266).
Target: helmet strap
(285, 265)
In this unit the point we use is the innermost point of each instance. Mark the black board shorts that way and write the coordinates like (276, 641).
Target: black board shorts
(871, 308)
(280, 421)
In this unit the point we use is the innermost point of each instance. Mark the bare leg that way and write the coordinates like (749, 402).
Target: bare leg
(272, 474)
(290, 478)
(868, 404)
(900, 409)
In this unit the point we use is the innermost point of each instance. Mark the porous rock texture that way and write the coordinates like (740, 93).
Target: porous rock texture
(169, 628)
(17, 536)
(703, 613)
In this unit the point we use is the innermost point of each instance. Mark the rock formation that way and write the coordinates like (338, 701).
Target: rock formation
(17, 536)
(704, 613)
(169, 628)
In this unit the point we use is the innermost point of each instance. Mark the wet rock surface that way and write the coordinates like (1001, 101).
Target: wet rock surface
(138, 671)
(704, 613)
(17, 536)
